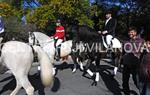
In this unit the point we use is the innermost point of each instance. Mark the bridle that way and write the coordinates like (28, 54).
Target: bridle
(36, 41)
(32, 35)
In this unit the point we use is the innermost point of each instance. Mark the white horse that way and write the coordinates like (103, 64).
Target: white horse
(18, 57)
(47, 43)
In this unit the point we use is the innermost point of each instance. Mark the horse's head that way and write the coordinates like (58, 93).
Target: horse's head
(39, 38)
(32, 39)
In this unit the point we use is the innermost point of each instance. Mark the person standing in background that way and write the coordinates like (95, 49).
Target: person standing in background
(131, 59)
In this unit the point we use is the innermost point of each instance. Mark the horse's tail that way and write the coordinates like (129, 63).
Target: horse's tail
(46, 66)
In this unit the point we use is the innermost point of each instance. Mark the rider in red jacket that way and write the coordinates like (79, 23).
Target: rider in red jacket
(59, 37)
(60, 31)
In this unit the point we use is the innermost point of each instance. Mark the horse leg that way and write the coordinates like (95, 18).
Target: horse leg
(81, 66)
(87, 68)
(117, 61)
(18, 87)
(80, 60)
(97, 61)
(26, 85)
(113, 58)
(74, 58)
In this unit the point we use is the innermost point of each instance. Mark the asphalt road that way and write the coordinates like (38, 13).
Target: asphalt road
(68, 83)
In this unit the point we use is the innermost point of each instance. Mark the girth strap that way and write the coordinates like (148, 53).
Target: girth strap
(35, 55)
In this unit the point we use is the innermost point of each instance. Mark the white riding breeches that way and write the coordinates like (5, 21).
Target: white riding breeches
(59, 41)
(110, 41)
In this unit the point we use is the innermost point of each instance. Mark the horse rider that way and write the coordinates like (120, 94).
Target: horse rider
(108, 34)
(109, 28)
(58, 37)
(131, 59)
(2, 32)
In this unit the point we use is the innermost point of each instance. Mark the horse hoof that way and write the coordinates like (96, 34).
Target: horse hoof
(94, 83)
(74, 70)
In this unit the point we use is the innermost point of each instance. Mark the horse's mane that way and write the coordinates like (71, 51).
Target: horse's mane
(41, 36)
(87, 34)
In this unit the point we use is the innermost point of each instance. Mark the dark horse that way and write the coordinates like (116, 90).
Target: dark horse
(92, 42)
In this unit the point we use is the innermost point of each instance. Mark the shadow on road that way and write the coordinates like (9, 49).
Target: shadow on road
(56, 85)
(133, 92)
(64, 65)
(111, 83)
(35, 81)
(10, 85)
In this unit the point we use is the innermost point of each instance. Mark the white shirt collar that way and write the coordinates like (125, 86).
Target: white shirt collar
(108, 20)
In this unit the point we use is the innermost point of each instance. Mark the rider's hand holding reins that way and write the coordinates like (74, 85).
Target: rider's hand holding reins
(100, 32)
(104, 32)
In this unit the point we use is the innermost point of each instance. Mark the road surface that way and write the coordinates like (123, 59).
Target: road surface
(68, 83)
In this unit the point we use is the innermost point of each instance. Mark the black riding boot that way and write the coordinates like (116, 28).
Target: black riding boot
(57, 53)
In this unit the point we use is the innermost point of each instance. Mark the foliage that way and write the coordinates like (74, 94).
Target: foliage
(97, 14)
(12, 22)
(14, 29)
(14, 3)
(41, 16)
(75, 12)
(7, 10)
(70, 12)
(128, 13)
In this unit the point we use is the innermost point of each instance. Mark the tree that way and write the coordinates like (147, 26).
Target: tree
(14, 3)
(130, 13)
(12, 22)
(6, 10)
(69, 11)
(97, 14)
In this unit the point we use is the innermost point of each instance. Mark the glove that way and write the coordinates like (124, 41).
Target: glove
(100, 32)
(56, 37)
(104, 32)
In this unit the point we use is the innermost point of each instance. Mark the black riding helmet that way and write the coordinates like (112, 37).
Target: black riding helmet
(58, 21)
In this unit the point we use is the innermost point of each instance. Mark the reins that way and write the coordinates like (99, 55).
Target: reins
(38, 43)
